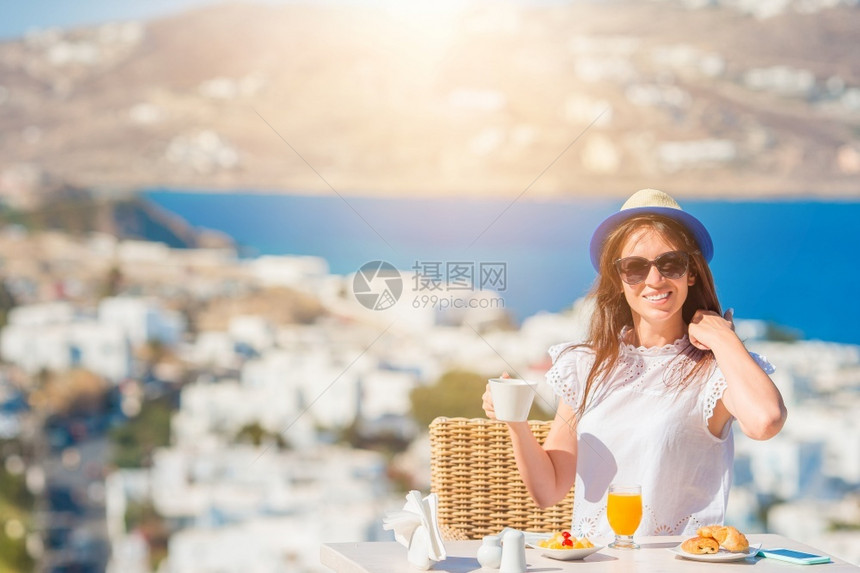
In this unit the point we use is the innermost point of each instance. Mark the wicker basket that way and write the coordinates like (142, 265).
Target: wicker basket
(472, 470)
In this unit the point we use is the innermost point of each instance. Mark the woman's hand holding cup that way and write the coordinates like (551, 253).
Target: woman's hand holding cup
(508, 399)
(489, 407)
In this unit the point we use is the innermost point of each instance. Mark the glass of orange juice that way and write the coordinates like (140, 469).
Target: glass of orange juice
(624, 511)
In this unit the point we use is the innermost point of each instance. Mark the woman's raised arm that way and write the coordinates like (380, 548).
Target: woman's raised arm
(549, 471)
(750, 394)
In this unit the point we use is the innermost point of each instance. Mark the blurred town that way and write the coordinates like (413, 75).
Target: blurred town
(185, 410)
(167, 405)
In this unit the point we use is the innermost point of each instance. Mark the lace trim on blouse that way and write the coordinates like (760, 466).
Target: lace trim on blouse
(589, 526)
(563, 376)
(714, 393)
(717, 386)
(667, 349)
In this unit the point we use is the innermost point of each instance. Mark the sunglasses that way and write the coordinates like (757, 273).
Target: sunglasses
(634, 270)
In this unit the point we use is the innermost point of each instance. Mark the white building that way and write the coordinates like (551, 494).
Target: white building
(300, 272)
(242, 508)
(55, 336)
(677, 155)
(811, 521)
(213, 349)
(142, 252)
(253, 331)
(782, 80)
(788, 468)
(42, 314)
(142, 320)
(51, 337)
(546, 329)
(386, 393)
(129, 551)
(101, 348)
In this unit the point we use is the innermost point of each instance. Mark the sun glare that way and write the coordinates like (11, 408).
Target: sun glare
(437, 11)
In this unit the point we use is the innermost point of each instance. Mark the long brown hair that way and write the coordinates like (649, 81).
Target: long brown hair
(612, 313)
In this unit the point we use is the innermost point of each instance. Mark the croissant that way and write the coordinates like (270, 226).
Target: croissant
(731, 539)
(700, 545)
(708, 530)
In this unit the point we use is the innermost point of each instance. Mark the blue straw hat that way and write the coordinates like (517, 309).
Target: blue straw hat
(650, 201)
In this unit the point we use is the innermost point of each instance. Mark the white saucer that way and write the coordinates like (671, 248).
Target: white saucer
(566, 554)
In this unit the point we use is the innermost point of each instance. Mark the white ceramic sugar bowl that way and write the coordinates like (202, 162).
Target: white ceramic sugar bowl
(490, 552)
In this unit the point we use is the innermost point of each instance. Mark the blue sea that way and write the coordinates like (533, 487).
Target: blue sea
(790, 262)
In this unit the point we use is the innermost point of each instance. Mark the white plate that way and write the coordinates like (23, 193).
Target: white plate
(719, 557)
(566, 554)
(530, 537)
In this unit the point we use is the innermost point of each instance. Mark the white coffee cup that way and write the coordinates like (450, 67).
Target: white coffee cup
(512, 398)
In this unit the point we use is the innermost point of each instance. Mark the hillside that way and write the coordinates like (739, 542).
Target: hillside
(75, 212)
(495, 99)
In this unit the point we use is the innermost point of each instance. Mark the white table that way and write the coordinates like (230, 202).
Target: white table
(390, 557)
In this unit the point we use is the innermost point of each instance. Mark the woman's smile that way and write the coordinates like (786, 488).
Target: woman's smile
(657, 298)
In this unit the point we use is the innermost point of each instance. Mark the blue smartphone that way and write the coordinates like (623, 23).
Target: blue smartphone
(792, 556)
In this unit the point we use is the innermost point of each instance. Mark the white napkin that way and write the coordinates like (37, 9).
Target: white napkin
(415, 527)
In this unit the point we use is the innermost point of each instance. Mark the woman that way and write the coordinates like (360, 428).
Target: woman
(650, 397)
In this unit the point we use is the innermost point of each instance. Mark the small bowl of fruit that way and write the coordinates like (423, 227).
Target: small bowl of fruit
(566, 547)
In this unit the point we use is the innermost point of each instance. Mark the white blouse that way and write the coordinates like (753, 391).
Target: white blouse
(640, 429)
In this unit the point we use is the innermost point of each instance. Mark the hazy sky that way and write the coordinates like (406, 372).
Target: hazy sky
(18, 16)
